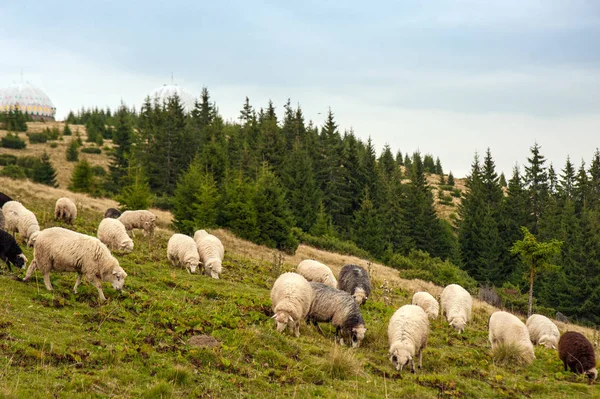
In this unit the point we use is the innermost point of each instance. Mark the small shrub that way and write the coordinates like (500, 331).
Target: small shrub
(340, 364)
(160, 390)
(37, 138)
(53, 145)
(53, 134)
(329, 243)
(98, 170)
(7, 159)
(67, 130)
(178, 375)
(72, 151)
(456, 193)
(488, 294)
(13, 141)
(446, 187)
(91, 150)
(14, 172)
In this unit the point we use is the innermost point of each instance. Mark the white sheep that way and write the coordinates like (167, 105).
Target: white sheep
(141, 219)
(316, 272)
(456, 305)
(428, 303)
(62, 250)
(543, 331)
(506, 328)
(211, 252)
(291, 297)
(22, 220)
(65, 210)
(113, 234)
(408, 332)
(182, 250)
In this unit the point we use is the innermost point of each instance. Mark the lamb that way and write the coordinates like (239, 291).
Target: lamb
(408, 332)
(456, 306)
(428, 303)
(113, 234)
(291, 297)
(355, 280)
(64, 250)
(543, 331)
(112, 213)
(315, 271)
(10, 252)
(577, 353)
(211, 252)
(18, 218)
(339, 307)
(506, 328)
(141, 219)
(65, 210)
(182, 250)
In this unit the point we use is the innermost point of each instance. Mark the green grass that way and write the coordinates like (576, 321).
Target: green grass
(135, 345)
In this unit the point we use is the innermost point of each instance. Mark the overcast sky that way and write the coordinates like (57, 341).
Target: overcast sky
(447, 78)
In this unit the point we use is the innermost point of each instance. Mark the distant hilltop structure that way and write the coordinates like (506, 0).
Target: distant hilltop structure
(164, 92)
(29, 99)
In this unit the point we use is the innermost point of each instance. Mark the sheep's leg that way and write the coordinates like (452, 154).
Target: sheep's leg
(47, 281)
(316, 324)
(98, 284)
(30, 270)
(412, 363)
(77, 282)
(297, 328)
(420, 360)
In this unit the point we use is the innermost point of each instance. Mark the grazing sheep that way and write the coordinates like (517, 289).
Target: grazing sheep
(10, 252)
(18, 218)
(338, 307)
(408, 332)
(113, 234)
(315, 271)
(62, 250)
(577, 353)
(141, 219)
(456, 306)
(291, 297)
(211, 252)
(427, 302)
(65, 210)
(4, 199)
(355, 280)
(112, 213)
(506, 329)
(543, 331)
(182, 250)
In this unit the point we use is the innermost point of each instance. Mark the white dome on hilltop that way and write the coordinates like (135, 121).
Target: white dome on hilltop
(27, 98)
(163, 93)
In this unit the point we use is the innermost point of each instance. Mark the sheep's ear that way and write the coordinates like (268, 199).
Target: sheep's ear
(274, 316)
(553, 347)
(291, 319)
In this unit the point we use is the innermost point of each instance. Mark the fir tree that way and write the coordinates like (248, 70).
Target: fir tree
(137, 195)
(502, 180)
(368, 228)
(323, 225)
(72, 151)
(43, 171)
(536, 182)
(566, 184)
(387, 164)
(594, 182)
(450, 179)
(239, 213)
(119, 158)
(67, 130)
(82, 179)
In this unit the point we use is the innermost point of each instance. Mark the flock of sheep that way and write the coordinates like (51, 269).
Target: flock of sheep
(312, 293)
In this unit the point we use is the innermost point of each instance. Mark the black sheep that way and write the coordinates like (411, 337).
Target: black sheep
(4, 199)
(112, 213)
(355, 280)
(10, 251)
(577, 353)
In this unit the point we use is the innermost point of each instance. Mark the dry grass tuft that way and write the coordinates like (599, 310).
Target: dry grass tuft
(510, 355)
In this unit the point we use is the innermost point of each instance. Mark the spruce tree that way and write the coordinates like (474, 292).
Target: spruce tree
(367, 230)
(502, 180)
(137, 194)
(323, 225)
(43, 171)
(566, 184)
(450, 179)
(594, 182)
(387, 164)
(67, 130)
(82, 179)
(536, 182)
(239, 213)
(119, 158)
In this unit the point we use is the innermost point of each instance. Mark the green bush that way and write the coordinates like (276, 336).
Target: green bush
(53, 145)
(53, 134)
(91, 150)
(329, 243)
(419, 264)
(456, 193)
(13, 171)
(98, 170)
(36, 138)
(13, 141)
(7, 159)
(446, 187)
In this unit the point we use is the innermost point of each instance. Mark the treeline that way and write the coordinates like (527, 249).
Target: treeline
(14, 120)
(272, 180)
(562, 205)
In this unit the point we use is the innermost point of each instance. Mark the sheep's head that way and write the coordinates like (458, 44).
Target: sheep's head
(191, 265)
(282, 319)
(21, 261)
(117, 277)
(592, 374)
(358, 334)
(458, 323)
(548, 341)
(359, 296)
(400, 357)
(212, 267)
(32, 237)
(126, 245)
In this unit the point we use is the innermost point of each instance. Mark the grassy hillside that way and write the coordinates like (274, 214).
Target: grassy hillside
(135, 345)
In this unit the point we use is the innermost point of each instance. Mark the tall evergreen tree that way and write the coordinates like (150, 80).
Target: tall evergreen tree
(239, 213)
(43, 171)
(119, 158)
(536, 182)
(367, 231)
